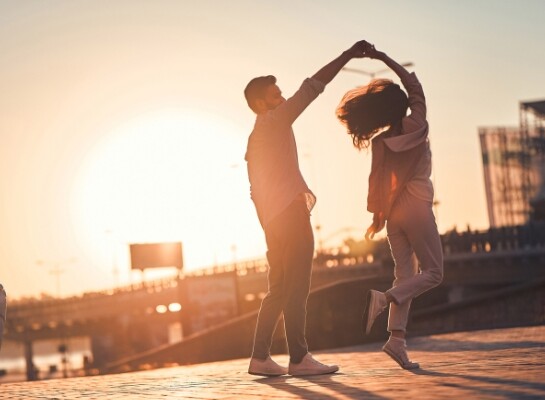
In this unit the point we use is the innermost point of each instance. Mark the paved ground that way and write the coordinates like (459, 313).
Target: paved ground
(495, 364)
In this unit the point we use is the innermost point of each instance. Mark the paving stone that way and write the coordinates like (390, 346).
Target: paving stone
(493, 364)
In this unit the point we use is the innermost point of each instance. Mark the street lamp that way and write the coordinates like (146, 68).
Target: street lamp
(63, 348)
(57, 271)
(374, 73)
(112, 244)
(234, 168)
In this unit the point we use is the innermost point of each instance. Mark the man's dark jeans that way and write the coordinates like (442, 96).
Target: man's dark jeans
(290, 249)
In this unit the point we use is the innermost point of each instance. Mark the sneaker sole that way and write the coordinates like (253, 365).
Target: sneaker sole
(366, 326)
(397, 360)
(308, 373)
(264, 374)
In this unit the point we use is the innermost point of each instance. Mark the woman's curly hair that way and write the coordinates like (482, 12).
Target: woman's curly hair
(367, 110)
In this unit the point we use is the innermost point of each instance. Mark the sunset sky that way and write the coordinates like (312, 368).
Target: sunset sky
(124, 121)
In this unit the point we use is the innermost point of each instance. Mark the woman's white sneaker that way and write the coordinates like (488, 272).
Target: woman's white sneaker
(310, 366)
(396, 348)
(266, 367)
(376, 303)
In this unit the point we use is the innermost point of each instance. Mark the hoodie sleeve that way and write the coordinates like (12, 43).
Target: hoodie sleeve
(374, 196)
(417, 100)
(414, 127)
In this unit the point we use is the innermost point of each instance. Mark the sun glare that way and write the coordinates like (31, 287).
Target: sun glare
(167, 176)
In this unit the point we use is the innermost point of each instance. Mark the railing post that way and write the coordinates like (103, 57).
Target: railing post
(31, 372)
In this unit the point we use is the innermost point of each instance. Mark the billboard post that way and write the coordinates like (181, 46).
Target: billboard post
(159, 255)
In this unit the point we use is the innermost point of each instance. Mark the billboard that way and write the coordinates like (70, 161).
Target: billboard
(156, 255)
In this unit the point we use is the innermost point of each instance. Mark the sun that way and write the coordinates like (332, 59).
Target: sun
(166, 176)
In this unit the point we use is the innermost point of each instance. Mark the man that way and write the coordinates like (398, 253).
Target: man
(283, 202)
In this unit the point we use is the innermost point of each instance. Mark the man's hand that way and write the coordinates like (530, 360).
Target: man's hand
(359, 49)
(370, 51)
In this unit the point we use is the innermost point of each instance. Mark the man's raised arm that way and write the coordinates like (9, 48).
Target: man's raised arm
(288, 112)
(329, 71)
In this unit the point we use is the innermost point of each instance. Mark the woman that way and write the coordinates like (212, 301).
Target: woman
(400, 192)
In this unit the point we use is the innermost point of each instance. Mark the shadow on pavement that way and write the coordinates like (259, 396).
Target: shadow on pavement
(507, 387)
(436, 344)
(291, 385)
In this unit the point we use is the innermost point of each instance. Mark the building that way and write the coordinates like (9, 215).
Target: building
(514, 168)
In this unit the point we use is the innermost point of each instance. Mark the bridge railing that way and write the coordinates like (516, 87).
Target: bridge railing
(352, 252)
(353, 258)
(531, 235)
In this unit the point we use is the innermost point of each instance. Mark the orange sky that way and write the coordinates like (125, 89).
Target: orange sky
(126, 122)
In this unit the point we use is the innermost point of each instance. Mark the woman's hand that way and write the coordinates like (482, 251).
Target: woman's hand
(371, 52)
(376, 226)
(358, 49)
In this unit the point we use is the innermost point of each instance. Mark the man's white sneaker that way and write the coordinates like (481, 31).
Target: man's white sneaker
(266, 367)
(376, 303)
(310, 366)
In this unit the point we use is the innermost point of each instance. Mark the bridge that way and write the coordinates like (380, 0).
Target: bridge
(137, 318)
